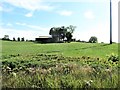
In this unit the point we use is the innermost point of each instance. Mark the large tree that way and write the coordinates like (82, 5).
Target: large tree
(22, 39)
(93, 39)
(69, 33)
(69, 36)
(18, 38)
(54, 33)
(59, 33)
(62, 32)
(71, 28)
(6, 37)
(14, 39)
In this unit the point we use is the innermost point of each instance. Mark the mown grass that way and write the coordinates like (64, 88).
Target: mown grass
(64, 65)
(66, 49)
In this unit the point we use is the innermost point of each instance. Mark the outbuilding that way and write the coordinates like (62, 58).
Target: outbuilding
(44, 39)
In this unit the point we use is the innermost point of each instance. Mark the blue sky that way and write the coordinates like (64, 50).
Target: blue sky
(33, 18)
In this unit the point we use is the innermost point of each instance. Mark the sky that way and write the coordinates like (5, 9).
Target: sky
(33, 18)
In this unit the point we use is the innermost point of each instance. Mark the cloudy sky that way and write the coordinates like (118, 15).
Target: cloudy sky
(33, 18)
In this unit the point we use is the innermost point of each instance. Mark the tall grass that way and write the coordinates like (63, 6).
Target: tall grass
(56, 71)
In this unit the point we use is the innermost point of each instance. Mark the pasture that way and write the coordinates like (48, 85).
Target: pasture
(66, 49)
(59, 65)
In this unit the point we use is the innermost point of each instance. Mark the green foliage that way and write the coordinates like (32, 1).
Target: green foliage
(59, 33)
(22, 39)
(6, 37)
(71, 28)
(14, 39)
(113, 57)
(18, 39)
(68, 36)
(57, 71)
(93, 39)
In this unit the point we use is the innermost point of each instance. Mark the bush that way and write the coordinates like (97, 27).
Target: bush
(113, 57)
(93, 39)
(5, 39)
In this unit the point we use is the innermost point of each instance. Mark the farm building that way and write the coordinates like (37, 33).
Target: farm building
(44, 39)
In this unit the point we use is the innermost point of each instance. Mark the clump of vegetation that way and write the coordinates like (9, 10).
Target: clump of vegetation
(113, 57)
(6, 37)
(57, 71)
(93, 39)
(60, 33)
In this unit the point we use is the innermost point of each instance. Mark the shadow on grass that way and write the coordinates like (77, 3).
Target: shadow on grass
(96, 46)
(105, 44)
(53, 51)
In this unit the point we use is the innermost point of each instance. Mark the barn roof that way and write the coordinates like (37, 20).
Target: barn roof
(45, 37)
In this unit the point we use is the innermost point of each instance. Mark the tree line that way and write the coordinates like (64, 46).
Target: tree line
(59, 34)
(6, 37)
(18, 39)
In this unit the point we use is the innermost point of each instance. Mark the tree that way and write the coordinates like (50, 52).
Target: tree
(71, 28)
(59, 33)
(69, 36)
(22, 39)
(62, 32)
(6, 37)
(53, 33)
(93, 39)
(14, 39)
(18, 38)
(69, 33)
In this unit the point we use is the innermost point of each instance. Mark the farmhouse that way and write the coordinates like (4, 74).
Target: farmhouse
(44, 39)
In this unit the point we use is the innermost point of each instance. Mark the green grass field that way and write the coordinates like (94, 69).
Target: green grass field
(66, 49)
(59, 65)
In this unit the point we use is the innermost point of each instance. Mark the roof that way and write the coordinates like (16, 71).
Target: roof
(45, 37)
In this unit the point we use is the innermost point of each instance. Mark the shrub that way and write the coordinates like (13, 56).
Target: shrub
(93, 39)
(113, 57)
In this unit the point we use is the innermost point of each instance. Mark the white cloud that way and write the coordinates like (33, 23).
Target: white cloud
(65, 13)
(22, 24)
(34, 27)
(9, 24)
(31, 5)
(29, 14)
(1, 23)
(101, 30)
(19, 33)
(1, 8)
(89, 15)
(4, 9)
(29, 34)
